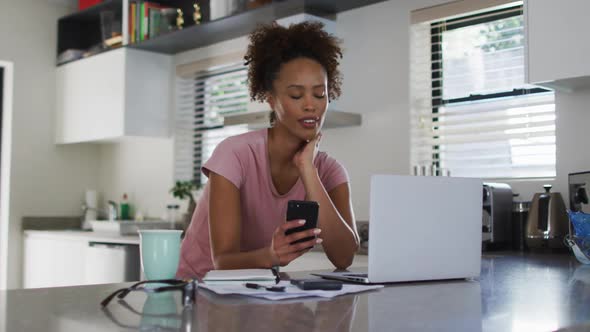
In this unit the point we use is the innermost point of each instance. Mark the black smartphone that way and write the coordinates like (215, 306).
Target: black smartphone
(317, 284)
(307, 210)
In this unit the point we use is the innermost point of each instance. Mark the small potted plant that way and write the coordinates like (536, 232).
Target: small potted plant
(185, 189)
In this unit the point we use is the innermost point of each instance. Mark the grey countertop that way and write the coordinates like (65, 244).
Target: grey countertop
(516, 292)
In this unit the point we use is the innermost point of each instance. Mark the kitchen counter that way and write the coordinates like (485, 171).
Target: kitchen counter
(516, 292)
(86, 236)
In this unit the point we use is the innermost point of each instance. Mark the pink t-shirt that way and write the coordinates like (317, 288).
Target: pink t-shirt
(243, 160)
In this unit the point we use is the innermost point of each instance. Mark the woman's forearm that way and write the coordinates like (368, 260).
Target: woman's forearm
(259, 258)
(340, 240)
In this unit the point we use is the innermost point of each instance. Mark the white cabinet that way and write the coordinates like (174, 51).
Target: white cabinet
(557, 43)
(110, 263)
(54, 258)
(120, 93)
(51, 262)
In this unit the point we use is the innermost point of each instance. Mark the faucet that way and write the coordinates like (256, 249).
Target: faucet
(113, 211)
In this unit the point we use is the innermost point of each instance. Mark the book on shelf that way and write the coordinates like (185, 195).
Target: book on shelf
(154, 22)
(145, 18)
(147, 7)
(132, 22)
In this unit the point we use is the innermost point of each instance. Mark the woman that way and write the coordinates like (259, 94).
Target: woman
(240, 219)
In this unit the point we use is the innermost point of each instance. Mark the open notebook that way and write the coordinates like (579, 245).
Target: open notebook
(239, 276)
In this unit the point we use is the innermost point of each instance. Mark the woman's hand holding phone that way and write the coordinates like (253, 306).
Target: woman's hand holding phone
(283, 248)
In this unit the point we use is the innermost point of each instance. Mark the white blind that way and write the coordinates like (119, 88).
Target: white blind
(472, 112)
(203, 98)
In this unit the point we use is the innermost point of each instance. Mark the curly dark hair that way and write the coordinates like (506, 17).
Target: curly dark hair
(272, 45)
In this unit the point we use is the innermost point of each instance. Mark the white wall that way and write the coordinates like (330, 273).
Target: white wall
(140, 167)
(45, 179)
(573, 130)
(144, 167)
(376, 78)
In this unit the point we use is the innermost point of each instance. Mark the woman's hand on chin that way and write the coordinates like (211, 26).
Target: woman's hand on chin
(303, 159)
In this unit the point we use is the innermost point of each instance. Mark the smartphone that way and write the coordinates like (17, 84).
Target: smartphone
(317, 284)
(307, 210)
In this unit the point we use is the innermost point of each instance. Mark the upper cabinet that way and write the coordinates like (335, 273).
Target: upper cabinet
(121, 93)
(557, 51)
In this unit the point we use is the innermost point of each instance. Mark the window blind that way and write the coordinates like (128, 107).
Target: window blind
(203, 99)
(471, 111)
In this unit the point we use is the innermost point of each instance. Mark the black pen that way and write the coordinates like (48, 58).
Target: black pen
(270, 289)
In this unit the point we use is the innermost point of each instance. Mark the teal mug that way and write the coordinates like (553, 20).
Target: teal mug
(160, 253)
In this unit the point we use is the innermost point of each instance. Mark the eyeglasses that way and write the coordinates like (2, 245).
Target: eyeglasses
(188, 287)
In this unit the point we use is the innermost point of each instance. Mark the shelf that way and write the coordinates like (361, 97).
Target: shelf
(261, 119)
(221, 29)
(81, 30)
(241, 24)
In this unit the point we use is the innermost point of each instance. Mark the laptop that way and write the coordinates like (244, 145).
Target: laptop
(421, 228)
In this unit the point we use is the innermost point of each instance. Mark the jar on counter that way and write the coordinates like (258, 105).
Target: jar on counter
(520, 212)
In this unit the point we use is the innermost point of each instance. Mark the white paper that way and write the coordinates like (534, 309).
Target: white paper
(291, 291)
(243, 275)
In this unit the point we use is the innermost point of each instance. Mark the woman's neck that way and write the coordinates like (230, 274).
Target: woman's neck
(282, 146)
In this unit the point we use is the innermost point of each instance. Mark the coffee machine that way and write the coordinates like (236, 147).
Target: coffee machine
(496, 216)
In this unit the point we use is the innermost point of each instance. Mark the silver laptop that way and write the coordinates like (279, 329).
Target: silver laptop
(422, 228)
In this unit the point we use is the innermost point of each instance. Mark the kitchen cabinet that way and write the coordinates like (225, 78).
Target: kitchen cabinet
(51, 262)
(109, 262)
(67, 258)
(117, 94)
(557, 53)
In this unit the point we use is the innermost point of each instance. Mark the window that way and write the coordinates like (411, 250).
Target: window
(203, 98)
(472, 113)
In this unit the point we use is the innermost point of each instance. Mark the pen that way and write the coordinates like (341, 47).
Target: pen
(270, 289)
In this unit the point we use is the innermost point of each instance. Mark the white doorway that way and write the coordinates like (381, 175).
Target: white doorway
(7, 81)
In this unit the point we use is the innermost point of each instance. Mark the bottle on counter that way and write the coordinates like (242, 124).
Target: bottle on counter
(172, 213)
(124, 208)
